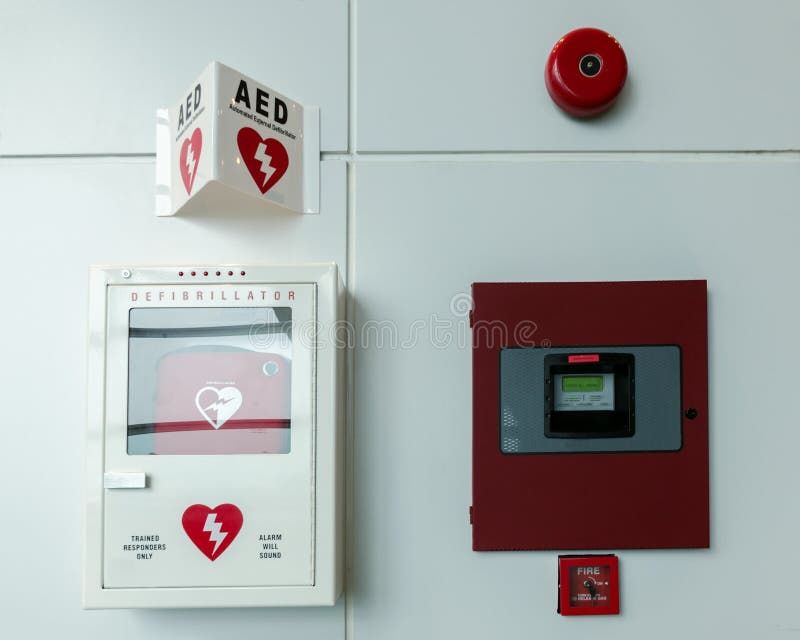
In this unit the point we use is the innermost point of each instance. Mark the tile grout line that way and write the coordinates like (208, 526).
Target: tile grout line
(556, 156)
(78, 156)
(472, 156)
(349, 470)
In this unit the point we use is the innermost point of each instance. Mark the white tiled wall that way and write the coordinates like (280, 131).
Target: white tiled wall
(731, 221)
(85, 77)
(66, 214)
(482, 197)
(468, 75)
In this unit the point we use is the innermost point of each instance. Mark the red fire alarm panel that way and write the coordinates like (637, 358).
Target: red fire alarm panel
(588, 585)
(590, 415)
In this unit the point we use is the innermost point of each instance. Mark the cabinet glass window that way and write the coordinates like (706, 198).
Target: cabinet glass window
(208, 381)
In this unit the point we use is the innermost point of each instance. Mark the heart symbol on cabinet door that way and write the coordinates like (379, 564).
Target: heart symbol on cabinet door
(190, 158)
(212, 530)
(265, 158)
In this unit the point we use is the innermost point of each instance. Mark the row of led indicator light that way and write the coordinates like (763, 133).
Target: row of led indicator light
(205, 273)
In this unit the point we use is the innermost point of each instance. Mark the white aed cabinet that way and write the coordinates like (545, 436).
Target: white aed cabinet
(214, 453)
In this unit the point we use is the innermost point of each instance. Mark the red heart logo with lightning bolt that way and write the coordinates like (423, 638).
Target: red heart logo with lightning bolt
(190, 157)
(266, 158)
(212, 530)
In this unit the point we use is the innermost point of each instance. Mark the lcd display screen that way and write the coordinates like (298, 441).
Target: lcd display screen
(581, 383)
(584, 392)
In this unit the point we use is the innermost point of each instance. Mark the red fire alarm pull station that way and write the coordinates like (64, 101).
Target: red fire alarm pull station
(590, 415)
(588, 585)
(585, 72)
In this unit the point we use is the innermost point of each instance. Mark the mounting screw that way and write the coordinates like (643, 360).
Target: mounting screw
(691, 413)
(126, 273)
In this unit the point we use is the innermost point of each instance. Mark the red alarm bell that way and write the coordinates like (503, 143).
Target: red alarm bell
(586, 72)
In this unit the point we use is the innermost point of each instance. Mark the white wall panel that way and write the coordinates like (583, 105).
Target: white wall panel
(66, 215)
(425, 231)
(468, 75)
(86, 77)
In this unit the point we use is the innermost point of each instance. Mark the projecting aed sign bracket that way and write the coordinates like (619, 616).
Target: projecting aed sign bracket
(229, 142)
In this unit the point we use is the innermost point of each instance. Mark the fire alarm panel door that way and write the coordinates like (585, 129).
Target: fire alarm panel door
(594, 433)
(207, 412)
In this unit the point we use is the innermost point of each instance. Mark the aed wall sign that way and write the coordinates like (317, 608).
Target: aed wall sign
(228, 130)
(214, 449)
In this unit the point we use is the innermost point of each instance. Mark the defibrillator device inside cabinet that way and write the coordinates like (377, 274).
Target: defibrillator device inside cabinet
(214, 447)
(590, 415)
